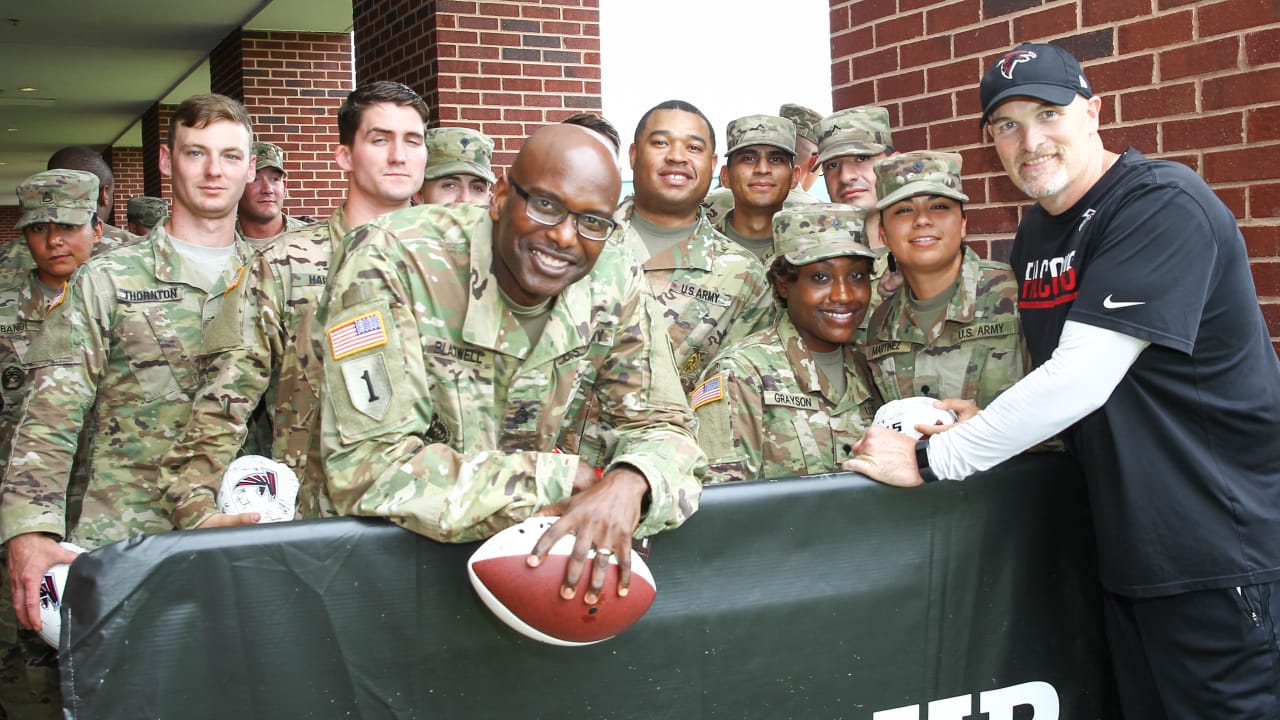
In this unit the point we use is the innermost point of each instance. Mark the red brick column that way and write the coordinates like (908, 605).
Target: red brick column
(8, 218)
(292, 84)
(1192, 81)
(504, 68)
(126, 165)
(155, 132)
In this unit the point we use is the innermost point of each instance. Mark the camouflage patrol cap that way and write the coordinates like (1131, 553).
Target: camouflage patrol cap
(806, 120)
(269, 156)
(918, 173)
(146, 210)
(770, 130)
(458, 151)
(808, 233)
(856, 131)
(67, 197)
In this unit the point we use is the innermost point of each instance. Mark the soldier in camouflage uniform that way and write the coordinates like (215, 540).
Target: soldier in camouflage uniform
(145, 213)
(806, 122)
(119, 346)
(711, 291)
(260, 350)
(720, 201)
(953, 330)
(460, 344)
(457, 167)
(60, 224)
(759, 171)
(87, 159)
(16, 256)
(261, 217)
(793, 399)
(849, 144)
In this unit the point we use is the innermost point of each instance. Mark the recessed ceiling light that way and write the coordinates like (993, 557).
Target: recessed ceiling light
(27, 89)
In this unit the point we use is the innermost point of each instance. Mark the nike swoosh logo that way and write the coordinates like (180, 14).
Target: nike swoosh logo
(1110, 304)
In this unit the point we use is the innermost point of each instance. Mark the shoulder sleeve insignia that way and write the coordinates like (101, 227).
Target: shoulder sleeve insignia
(236, 280)
(710, 390)
(368, 385)
(62, 295)
(359, 333)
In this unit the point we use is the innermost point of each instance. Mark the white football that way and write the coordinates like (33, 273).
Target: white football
(253, 483)
(52, 589)
(528, 599)
(905, 414)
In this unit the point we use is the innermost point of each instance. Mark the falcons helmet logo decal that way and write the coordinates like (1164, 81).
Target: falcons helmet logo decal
(1012, 59)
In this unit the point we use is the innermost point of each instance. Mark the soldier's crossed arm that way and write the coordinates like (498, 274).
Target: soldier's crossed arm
(644, 401)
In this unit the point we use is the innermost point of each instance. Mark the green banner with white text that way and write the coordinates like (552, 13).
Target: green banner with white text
(817, 597)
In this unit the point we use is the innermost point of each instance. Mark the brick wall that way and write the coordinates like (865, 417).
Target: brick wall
(504, 68)
(126, 165)
(8, 218)
(1197, 82)
(292, 84)
(155, 132)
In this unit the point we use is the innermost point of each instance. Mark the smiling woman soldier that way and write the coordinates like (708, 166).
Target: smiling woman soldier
(793, 398)
(953, 332)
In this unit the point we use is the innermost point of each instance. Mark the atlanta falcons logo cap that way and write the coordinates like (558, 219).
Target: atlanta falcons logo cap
(1045, 72)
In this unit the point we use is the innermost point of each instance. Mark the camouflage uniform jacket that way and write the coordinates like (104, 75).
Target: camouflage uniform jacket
(15, 256)
(976, 353)
(260, 349)
(765, 410)
(22, 310)
(119, 349)
(710, 293)
(417, 339)
(114, 237)
(260, 244)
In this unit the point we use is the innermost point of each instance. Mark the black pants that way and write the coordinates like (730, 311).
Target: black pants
(1198, 655)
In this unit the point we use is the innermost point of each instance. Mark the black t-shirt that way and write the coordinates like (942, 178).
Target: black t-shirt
(1183, 460)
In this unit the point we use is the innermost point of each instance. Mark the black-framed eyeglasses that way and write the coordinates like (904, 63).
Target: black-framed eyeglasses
(543, 210)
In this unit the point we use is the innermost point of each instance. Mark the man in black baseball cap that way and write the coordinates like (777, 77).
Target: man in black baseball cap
(1153, 362)
(1045, 72)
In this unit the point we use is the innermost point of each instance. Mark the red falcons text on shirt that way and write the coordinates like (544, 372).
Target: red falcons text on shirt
(1048, 282)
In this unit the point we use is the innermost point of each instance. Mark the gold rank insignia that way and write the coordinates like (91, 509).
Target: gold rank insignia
(692, 364)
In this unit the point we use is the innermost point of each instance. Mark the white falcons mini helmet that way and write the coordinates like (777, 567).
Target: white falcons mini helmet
(257, 484)
(905, 414)
(52, 589)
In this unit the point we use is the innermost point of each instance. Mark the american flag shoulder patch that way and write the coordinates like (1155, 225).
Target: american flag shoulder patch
(357, 334)
(710, 390)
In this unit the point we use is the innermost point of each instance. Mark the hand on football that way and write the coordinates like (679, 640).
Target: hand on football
(225, 520)
(964, 410)
(886, 456)
(601, 517)
(30, 557)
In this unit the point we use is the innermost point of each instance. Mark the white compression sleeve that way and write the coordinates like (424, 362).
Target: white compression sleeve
(1077, 379)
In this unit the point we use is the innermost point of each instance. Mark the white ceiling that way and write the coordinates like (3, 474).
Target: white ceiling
(97, 66)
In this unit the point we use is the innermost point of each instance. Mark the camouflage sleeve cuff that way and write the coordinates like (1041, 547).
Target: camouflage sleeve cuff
(44, 523)
(555, 474)
(660, 514)
(194, 509)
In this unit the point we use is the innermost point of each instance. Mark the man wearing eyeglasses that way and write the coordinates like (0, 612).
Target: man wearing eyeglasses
(460, 345)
